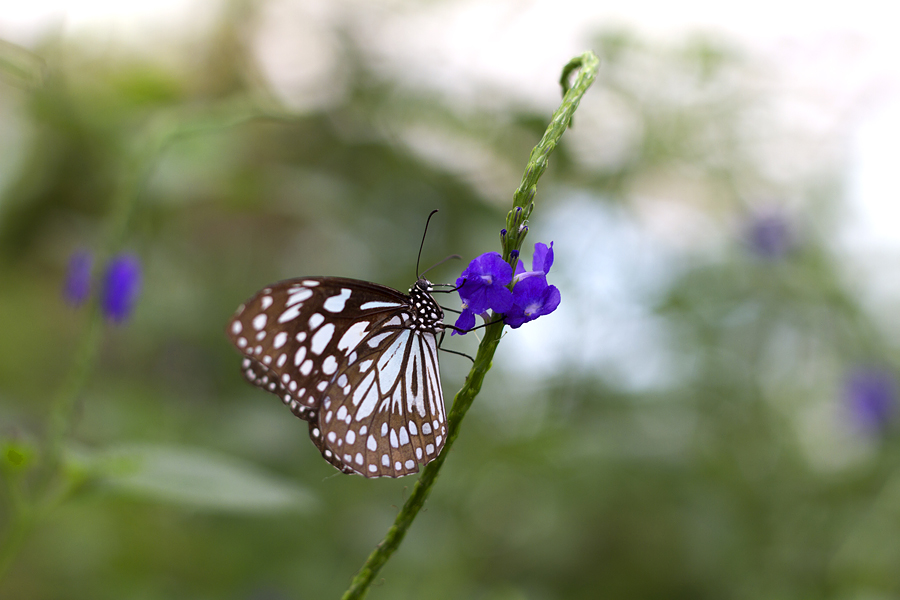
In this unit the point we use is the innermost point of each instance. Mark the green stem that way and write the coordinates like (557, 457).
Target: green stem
(524, 197)
(20, 523)
(77, 378)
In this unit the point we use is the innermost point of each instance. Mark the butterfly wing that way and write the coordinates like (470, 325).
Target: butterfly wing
(384, 412)
(354, 359)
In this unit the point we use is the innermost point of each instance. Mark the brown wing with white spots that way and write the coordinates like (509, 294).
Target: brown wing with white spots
(305, 340)
(384, 413)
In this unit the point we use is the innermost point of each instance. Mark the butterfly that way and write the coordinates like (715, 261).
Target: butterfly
(358, 361)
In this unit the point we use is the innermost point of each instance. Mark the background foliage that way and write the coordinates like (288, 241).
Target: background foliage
(710, 413)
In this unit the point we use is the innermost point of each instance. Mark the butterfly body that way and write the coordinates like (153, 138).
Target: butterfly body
(358, 361)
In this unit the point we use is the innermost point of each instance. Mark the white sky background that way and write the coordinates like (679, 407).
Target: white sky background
(844, 55)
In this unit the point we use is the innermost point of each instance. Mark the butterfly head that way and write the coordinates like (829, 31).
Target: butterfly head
(429, 314)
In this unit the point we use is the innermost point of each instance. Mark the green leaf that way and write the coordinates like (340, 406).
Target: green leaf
(193, 477)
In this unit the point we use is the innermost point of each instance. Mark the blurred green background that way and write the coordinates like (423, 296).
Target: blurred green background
(709, 414)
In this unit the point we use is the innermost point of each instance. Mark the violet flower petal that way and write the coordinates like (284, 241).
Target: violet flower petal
(78, 278)
(121, 287)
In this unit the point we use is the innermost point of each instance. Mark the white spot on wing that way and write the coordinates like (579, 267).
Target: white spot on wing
(336, 304)
(367, 406)
(301, 354)
(353, 336)
(377, 339)
(266, 302)
(280, 339)
(375, 304)
(315, 321)
(391, 360)
(236, 327)
(259, 321)
(298, 296)
(322, 337)
(290, 314)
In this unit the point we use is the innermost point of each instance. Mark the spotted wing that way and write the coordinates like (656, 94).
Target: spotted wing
(305, 341)
(384, 412)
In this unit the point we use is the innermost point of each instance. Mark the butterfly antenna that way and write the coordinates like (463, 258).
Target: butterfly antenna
(451, 257)
(422, 245)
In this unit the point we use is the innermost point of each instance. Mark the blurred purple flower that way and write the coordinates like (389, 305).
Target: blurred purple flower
(78, 278)
(871, 395)
(122, 285)
(482, 287)
(769, 235)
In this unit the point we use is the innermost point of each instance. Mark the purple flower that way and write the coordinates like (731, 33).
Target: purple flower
(465, 322)
(482, 287)
(121, 287)
(871, 395)
(769, 236)
(541, 261)
(532, 298)
(543, 258)
(78, 278)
